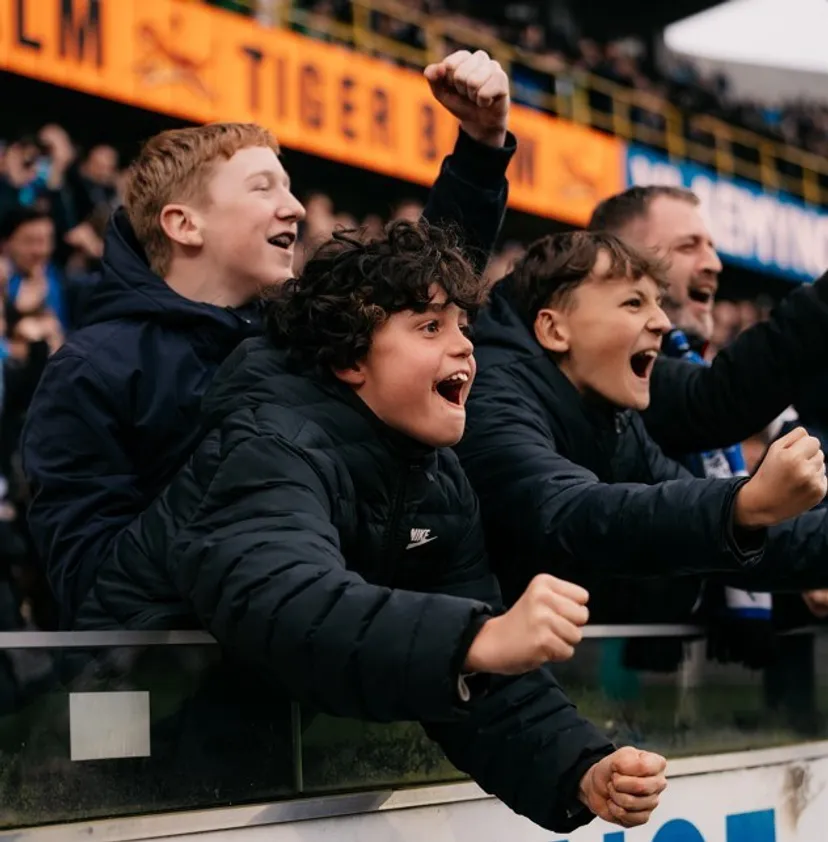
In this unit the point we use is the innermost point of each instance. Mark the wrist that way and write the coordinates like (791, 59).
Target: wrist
(585, 786)
(747, 512)
(494, 136)
(477, 658)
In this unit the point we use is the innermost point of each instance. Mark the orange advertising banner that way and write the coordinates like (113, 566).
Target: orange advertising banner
(202, 64)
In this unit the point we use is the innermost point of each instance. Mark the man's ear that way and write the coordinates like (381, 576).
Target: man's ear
(183, 225)
(552, 330)
(354, 377)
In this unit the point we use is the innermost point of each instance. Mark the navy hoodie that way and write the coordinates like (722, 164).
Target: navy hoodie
(117, 411)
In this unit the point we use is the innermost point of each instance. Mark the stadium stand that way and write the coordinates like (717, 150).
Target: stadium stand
(558, 64)
(61, 168)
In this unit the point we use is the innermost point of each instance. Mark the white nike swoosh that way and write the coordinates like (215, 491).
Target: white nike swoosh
(420, 543)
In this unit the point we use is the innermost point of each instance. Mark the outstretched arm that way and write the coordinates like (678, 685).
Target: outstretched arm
(749, 383)
(547, 513)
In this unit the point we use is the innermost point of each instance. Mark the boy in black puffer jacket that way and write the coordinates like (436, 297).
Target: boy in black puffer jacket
(326, 535)
(570, 481)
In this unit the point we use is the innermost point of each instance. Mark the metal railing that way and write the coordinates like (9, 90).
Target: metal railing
(570, 93)
(59, 640)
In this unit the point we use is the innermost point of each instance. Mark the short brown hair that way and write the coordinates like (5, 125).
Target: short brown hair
(618, 211)
(174, 166)
(557, 264)
(326, 318)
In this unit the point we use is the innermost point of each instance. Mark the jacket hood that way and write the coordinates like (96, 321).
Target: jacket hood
(128, 288)
(500, 334)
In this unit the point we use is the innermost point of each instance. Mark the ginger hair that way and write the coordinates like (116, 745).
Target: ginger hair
(175, 166)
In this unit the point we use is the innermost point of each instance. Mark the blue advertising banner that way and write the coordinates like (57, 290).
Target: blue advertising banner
(770, 233)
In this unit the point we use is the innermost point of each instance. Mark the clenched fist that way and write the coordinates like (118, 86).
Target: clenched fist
(817, 602)
(543, 625)
(625, 787)
(475, 89)
(790, 480)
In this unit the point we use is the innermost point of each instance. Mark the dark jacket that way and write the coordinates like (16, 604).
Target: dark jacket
(749, 383)
(117, 411)
(345, 562)
(573, 487)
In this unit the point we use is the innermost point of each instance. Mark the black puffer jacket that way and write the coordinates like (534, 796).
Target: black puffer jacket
(346, 563)
(574, 488)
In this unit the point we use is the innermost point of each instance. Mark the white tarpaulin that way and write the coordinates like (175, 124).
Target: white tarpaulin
(789, 34)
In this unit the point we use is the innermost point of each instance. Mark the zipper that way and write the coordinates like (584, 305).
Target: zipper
(387, 559)
(608, 444)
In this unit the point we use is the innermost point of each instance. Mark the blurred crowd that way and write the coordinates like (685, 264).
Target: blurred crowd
(55, 200)
(556, 48)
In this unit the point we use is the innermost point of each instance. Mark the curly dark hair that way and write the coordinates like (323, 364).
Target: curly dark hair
(327, 316)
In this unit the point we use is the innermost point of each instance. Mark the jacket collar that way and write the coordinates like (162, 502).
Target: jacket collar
(402, 446)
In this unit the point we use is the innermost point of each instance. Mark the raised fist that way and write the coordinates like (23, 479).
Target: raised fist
(817, 602)
(791, 480)
(59, 144)
(543, 625)
(475, 89)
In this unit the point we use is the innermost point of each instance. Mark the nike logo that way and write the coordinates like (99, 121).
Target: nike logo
(420, 537)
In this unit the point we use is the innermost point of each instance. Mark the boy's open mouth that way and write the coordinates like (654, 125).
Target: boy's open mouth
(451, 389)
(642, 363)
(284, 240)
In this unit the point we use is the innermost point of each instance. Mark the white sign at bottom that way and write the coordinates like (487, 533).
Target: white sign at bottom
(785, 802)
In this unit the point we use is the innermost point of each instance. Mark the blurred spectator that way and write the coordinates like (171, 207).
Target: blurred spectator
(32, 169)
(534, 79)
(34, 286)
(93, 182)
(502, 263)
(726, 324)
(18, 172)
(319, 217)
(409, 210)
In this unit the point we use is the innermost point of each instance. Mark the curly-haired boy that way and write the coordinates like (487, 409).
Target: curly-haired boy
(326, 535)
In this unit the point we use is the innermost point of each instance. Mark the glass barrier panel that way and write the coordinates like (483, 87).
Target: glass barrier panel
(343, 754)
(134, 730)
(100, 733)
(666, 695)
(662, 694)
